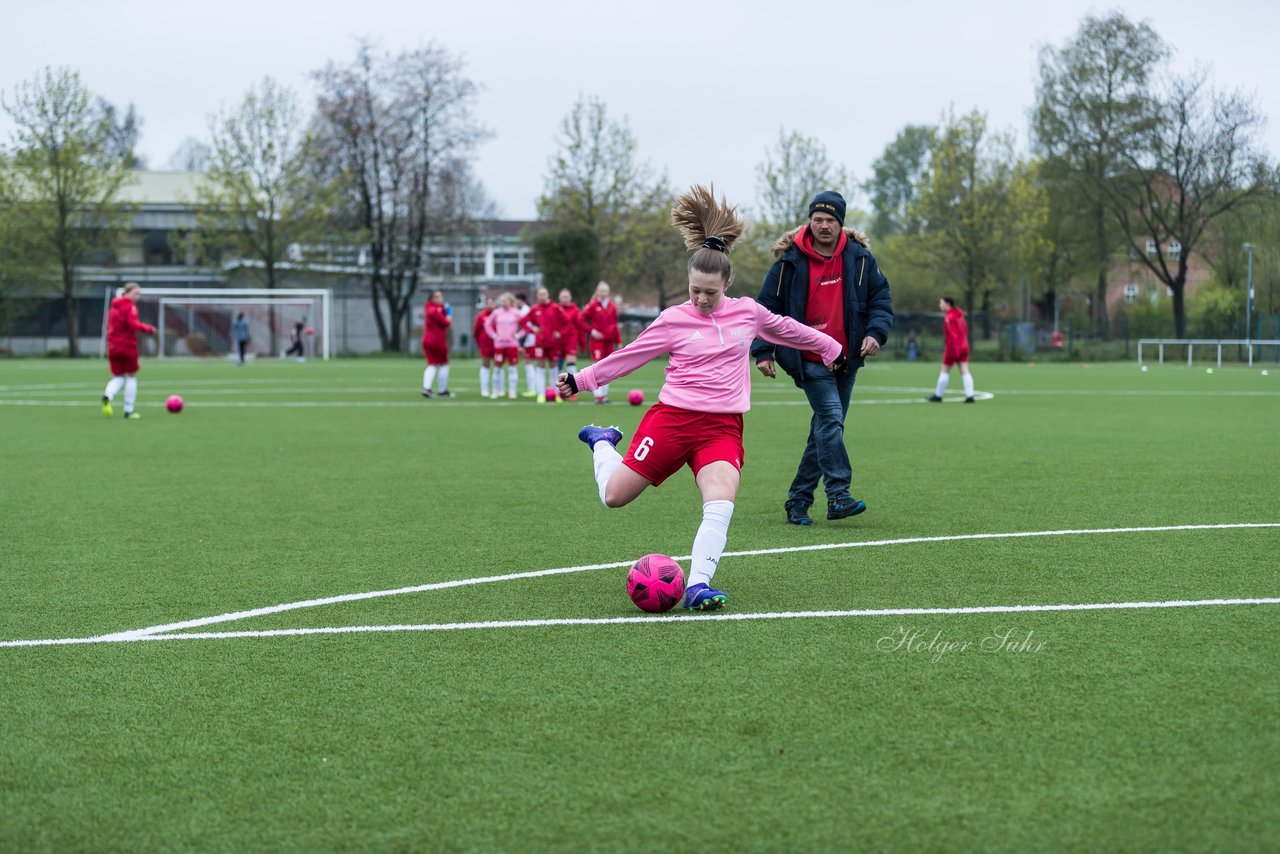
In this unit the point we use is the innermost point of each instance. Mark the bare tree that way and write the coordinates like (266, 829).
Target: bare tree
(1199, 161)
(192, 155)
(397, 130)
(65, 168)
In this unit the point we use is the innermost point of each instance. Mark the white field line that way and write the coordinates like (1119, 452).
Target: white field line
(165, 630)
(656, 618)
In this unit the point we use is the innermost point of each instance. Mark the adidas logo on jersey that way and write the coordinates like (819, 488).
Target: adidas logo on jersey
(696, 336)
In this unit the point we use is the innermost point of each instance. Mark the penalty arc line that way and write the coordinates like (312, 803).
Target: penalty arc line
(138, 634)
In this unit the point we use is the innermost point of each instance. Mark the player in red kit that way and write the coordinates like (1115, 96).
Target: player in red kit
(123, 327)
(484, 343)
(600, 317)
(437, 317)
(955, 350)
(570, 333)
(545, 321)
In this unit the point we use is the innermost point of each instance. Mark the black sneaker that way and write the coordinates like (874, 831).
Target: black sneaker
(797, 514)
(426, 392)
(969, 400)
(445, 393)
(843, 508)
(933, 398)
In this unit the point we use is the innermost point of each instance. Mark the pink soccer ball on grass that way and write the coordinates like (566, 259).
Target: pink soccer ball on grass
(173, 404)
(551, 394)
(635, 397)
(655, 583)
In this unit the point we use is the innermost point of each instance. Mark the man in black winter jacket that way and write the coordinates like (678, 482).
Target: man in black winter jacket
(825, 277)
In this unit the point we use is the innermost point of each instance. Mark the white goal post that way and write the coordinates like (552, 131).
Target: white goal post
(194, 322)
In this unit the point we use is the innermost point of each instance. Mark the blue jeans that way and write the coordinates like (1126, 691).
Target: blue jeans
(824, 456)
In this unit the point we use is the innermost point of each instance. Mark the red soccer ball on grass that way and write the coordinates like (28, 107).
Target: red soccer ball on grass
(173, 404)
(635, 397)
(655, 583)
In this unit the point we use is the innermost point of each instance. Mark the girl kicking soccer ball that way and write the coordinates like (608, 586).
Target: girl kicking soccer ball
(697, 420)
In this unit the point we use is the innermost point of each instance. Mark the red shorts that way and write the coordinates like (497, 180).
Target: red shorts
(506, 355)
(531, 352)
(486, 347)
(121, 365)
(550, 352)
(600, 349)
(952, 359)
(669, 437)
(568, 348)
(436, 355)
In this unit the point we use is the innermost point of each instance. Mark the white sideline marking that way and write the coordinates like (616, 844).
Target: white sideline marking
(164, 631)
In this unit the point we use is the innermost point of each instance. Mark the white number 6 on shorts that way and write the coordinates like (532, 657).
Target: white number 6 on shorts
(642, 449)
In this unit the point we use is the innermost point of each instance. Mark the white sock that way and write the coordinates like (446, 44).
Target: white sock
(428, 377)
(943, 379)
(113, 387)
(968, 384)
(708, 545)
(528, 377)
(602, 392)
(607, 460)
(484, 381)
(513, 380)
(539, 379)
(444, 377)
(130, 393)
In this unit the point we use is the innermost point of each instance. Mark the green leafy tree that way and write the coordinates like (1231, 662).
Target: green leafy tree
(1093, 100)
(597, 181)
(64, 171)
(258, 196)
(961, 213)
(790, 175)
(569, 258)
(895, 177)
(656, 259)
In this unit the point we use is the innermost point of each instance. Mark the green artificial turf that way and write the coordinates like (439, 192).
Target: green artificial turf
(1115, 729)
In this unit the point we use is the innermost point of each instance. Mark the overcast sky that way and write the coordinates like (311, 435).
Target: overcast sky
(705, 88)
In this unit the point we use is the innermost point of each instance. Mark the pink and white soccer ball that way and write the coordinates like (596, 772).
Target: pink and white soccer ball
(173, 404)
(655, 583)
(635, 397)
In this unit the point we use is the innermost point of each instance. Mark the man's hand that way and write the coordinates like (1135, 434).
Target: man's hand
(767, 367)
(870, 346)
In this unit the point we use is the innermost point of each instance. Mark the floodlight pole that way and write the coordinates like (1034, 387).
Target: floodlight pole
(1248, 307)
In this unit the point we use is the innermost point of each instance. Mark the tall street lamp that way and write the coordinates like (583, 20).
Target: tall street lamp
(1248, 306)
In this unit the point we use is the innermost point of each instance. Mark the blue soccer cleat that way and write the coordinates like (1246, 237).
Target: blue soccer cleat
(700, 597)
(593, 433)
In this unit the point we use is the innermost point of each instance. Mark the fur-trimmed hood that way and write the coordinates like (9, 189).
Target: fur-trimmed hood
(783, 243)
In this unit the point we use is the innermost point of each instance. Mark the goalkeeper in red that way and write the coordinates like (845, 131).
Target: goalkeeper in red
(697, 420)
(123, 327)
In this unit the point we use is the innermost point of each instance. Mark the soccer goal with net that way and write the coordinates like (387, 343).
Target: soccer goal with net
(200, 322)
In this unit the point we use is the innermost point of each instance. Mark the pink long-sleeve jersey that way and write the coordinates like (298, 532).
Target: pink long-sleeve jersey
(709, 369)
(503, 326)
